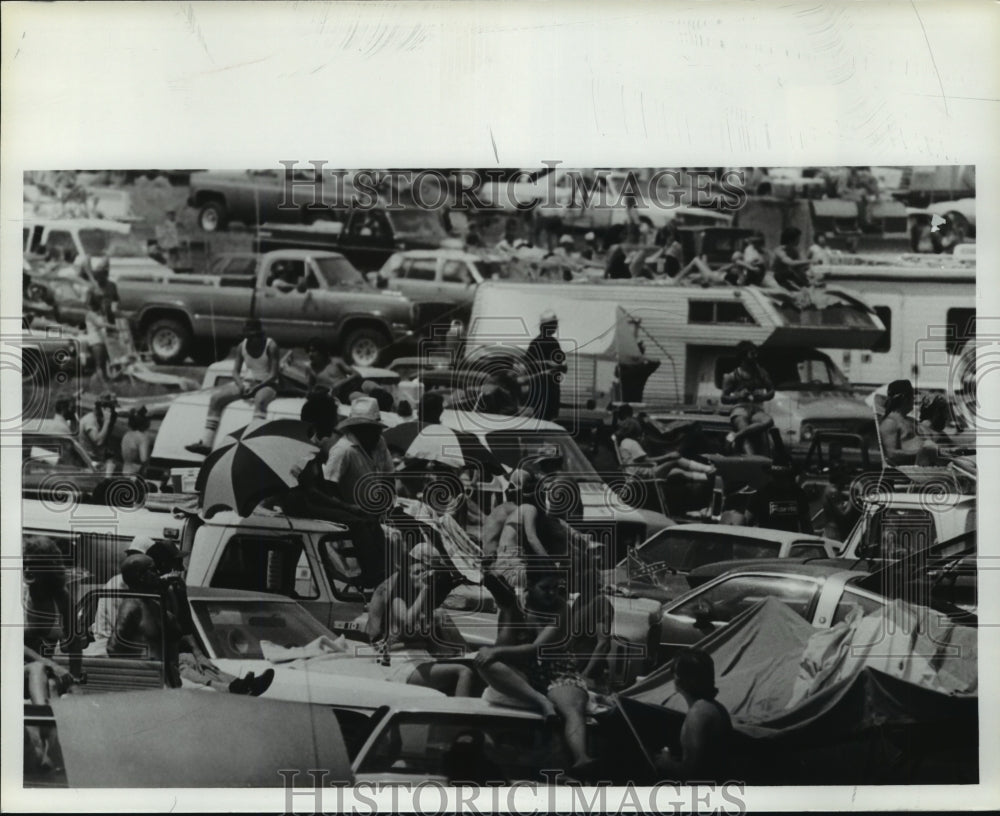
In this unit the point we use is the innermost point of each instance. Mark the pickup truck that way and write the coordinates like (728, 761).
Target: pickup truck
(252, 197)
(297, 294)
(366, 237)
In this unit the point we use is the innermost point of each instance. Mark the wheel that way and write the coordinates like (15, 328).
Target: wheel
(213, 216)
(168, 340)
(363, 347)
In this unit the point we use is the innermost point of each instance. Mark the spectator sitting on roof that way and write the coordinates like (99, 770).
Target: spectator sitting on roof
(934, 415)
(897, 429)
(745, 388)
(790, 270)
(671, 465)
(326, 371)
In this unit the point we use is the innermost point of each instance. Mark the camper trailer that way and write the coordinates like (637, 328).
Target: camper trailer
(925, 343)
(692, 332)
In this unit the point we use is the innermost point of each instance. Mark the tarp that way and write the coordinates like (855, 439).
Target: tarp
(777, 674)
(193, 739)
(867, 701)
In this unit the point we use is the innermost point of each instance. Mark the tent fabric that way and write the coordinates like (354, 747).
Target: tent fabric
(777, 675)
(193, 739)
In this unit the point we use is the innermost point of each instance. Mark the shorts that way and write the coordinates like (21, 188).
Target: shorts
(547, 673)
(750, 412)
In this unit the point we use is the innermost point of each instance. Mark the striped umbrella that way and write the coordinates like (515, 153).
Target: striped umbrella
(262, 461)
(457, 449)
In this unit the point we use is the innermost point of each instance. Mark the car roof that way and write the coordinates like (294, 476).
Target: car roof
(302, 254)
(478, 423)
(464, 705)
(759, 533)
(47, 427)
(789, 566)
(201, 593)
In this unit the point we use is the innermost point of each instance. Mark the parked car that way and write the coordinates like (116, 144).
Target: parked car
(367, 237)
(450, 275)
(205, 314)
(658, 568)
(821, 593)
(57, 470)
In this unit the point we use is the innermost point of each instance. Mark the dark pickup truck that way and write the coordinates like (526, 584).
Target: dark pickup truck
(297, 293)
(366, 237)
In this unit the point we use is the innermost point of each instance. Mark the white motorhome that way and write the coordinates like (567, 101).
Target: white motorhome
(693, 332)
(929, 313)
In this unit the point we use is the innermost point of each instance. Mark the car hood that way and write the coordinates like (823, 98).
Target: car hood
(661, 588)
(831, 405)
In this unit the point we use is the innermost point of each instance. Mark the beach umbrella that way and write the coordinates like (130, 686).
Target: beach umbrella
(261, 461)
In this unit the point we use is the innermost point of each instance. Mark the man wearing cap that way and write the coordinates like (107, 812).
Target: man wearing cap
(96, 429)
(546, 365)
(255, 373)
(359, 473)
(745, 388)
(107, 607)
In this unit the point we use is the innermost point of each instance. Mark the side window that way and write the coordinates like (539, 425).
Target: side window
(807, 551)
(852, 599)
(885, 315)
(731, 597)
(455, 272)
(341, 565)
(60, 241)
(420, 269)
(894, 533)
(961, 326)
(276, 565)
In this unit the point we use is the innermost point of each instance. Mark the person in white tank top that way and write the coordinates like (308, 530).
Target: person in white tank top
(255, 375)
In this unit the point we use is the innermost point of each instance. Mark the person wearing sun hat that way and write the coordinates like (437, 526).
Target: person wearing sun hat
(547, 363)
(359, 476)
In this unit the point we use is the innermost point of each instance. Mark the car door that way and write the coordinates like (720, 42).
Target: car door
(713, 606)
(297, 315)
(417, 278)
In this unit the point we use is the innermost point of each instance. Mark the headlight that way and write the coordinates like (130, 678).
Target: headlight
(806, 432)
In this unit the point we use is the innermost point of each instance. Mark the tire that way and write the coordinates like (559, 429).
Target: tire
(364, 346)
(168, 340)
(213, 216)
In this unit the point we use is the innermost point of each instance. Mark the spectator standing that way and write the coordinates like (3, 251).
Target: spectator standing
(547, 363)
(96, 430)
(135, 442)
(168, 239)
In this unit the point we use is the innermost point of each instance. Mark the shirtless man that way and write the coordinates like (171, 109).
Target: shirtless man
(139, 627)
(707, 730)
(746, 387)
(897, 429)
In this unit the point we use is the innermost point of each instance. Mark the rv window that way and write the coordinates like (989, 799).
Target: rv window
(961, 326)
(885, 315)
(724, 311)
(276, 565)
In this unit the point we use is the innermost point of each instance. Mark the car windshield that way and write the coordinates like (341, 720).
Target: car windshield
(791, 370)
(94, 241)
(235, 628)
(683, 550)
(339, 272)
(517, 445)
(418, 224)
(48, 454)
(437, 744)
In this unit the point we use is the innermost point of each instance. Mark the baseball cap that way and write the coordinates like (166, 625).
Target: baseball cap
(139, 544)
